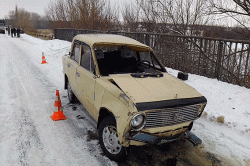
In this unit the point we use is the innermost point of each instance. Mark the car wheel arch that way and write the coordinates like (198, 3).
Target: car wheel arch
(66, 81)
(104, 112)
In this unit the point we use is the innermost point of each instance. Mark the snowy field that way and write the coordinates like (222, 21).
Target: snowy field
(27, 93)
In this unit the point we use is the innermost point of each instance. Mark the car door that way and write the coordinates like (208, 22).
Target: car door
(72, 65)
(86, 79)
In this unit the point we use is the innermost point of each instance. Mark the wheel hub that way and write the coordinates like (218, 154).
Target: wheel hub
(110, 140)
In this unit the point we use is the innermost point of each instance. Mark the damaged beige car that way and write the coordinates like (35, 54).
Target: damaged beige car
(129, 93)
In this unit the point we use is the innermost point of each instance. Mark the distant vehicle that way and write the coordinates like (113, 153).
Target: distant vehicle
(129, 93)
(2, 28)
(21, 31)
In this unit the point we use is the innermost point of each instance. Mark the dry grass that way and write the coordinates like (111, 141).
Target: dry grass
(220, 119)
(46, 34)
(31, 32)
(45, 31)
(204, 114)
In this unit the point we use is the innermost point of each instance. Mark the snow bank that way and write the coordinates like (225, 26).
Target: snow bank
(230, 138)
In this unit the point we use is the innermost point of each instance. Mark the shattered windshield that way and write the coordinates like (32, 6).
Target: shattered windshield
(124, 60)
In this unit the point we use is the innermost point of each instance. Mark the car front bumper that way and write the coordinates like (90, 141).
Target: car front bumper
(150, 139)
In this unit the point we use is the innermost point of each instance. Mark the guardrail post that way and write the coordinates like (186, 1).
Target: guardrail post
(55, 34)
(147, 41)
(218, 62)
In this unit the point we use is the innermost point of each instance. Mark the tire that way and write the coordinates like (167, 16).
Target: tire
(71, 95)
(109, 141)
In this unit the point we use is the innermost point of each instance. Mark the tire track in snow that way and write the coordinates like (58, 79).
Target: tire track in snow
(27, 142)
(82, 125)
(28, 138)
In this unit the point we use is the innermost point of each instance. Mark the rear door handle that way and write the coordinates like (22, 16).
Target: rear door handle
(68, 65)
(78, 74)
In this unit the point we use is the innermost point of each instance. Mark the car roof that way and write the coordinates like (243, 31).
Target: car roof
(104, 39)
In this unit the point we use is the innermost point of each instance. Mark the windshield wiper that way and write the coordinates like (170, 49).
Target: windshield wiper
(144, 75)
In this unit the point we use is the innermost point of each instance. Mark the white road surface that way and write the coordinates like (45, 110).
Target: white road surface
(28, 136)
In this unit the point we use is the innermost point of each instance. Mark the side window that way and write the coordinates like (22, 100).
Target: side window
(155, 63)
(76, 53)
(87, 59)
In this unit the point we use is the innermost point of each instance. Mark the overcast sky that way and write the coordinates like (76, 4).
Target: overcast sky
(37, 6)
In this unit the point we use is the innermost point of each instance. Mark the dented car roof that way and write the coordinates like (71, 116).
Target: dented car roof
(105, 39)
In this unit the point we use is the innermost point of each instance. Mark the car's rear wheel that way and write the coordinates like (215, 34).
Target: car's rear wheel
(71, 95)
(109, 140)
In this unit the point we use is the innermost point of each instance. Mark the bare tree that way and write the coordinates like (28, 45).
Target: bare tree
(241, 7)
(24, 20)
(21, 18)
(87, 14)
(35, 20)
(12, 17)
(238, 10)
(172, 16)
(130, 16)
(58, 13)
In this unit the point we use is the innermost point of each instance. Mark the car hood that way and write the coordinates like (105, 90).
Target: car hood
(150, 89)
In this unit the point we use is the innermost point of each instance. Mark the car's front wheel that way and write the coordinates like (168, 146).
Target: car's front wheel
(71, 95)
(109, 140)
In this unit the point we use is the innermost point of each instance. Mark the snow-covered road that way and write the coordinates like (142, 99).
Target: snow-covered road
(28, 136)
(27, 94)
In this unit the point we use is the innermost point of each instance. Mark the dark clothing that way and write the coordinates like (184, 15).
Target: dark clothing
(14, 32)
(18, 32)
(8, 30)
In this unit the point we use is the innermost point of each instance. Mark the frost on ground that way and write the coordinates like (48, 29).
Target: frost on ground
(29, 137)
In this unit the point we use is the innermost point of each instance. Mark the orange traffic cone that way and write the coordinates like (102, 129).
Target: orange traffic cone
(58, 113)
(43, 59)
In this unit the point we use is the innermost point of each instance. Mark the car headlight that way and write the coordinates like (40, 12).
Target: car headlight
(138, 122)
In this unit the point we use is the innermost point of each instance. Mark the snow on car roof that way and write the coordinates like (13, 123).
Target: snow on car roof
(92, 39)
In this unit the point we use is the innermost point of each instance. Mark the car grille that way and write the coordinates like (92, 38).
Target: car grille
(171, 116)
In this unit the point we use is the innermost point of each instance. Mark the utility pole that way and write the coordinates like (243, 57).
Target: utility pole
(16, 17)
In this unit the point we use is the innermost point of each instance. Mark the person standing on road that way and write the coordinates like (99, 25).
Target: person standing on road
(8, 30)
(12, 31)
(18, 32)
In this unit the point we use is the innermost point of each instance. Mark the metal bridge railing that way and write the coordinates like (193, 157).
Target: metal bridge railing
(225, 60)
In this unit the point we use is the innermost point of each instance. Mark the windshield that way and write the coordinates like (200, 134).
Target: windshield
(124, 60)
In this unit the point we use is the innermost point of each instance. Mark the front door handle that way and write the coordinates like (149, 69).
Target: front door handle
(78, 74)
